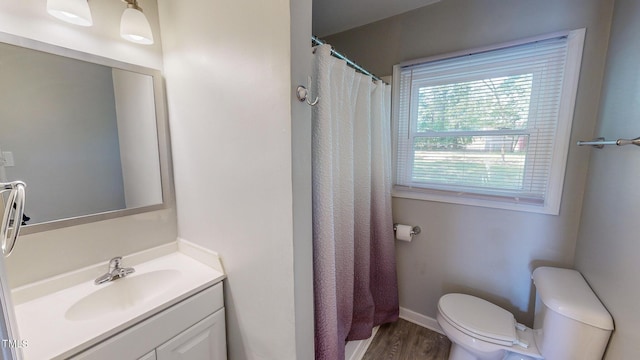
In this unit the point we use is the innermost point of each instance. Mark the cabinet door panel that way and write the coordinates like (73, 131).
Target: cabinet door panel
(139, 339)
(203, 341)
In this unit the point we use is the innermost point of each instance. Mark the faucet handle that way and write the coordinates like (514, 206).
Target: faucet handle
(115, 263)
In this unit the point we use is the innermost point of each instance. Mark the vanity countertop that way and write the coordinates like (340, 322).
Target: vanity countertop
(57, 324)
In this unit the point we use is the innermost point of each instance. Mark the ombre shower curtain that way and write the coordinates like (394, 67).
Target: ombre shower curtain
(355, 282)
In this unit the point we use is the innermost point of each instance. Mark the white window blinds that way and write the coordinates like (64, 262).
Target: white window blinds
(486, 126)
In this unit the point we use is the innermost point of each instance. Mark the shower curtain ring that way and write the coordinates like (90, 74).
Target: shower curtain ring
(303, 93)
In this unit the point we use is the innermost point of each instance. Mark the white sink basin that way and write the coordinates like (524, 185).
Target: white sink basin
(71, 313)
(122, 294)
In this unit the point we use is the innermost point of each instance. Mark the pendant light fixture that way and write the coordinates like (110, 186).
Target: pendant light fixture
(134, 25)
(72, 11)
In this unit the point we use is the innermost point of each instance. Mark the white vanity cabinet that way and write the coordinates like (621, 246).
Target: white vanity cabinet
(205, 340)
(171, 307)
(193, 329)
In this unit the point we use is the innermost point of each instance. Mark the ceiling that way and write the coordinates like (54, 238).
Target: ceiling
(333, 16)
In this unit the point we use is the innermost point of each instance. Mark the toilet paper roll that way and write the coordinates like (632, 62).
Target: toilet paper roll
(403, 232)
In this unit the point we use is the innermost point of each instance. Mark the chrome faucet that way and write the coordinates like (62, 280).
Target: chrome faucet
(115, 271)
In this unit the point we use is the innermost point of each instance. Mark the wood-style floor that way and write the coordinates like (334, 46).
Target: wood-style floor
(403, 340)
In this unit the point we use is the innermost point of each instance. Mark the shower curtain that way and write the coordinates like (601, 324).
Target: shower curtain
(355, 282)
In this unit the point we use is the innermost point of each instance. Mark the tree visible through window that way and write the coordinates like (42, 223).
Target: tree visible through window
(491, 126)
(448, 114)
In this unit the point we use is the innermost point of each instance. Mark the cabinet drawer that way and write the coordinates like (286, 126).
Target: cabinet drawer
(138, 340)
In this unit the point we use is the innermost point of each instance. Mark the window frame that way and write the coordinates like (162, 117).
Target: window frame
(501, 200)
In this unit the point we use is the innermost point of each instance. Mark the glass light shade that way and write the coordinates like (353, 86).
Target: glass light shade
(135, 27)
(72, 11)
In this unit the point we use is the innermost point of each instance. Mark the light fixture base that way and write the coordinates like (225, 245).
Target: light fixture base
(132, 4)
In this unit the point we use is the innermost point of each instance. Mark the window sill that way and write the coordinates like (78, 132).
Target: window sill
(474, 200)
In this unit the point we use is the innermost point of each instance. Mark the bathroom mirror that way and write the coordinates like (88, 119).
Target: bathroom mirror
(87, 134)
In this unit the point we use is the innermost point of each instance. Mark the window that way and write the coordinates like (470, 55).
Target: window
(488, 127)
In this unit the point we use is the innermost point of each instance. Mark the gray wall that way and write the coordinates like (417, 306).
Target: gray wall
(608, 246)
(482, 251)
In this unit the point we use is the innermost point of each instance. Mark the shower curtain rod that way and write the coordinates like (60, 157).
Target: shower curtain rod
(316, 41)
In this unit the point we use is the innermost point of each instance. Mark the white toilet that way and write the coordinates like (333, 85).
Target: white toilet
(570, 323)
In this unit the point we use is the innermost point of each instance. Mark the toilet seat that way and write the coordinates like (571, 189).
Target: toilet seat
(479, 319)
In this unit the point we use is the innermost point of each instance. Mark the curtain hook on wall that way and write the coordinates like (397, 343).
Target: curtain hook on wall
(303, 93)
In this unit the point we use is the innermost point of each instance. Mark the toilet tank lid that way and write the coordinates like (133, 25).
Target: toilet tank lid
(567, 293)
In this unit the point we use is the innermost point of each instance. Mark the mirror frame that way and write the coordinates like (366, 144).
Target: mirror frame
(162, 126)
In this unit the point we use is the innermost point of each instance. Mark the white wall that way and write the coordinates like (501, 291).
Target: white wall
(482, 251)
(608, 247)
(228, 79)
(136, 115)
(301, 61)
(29, 19)
(86, 244)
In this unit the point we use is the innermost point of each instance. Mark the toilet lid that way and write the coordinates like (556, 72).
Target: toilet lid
(479, 318)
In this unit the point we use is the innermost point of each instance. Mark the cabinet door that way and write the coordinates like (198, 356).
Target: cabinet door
(205, 340)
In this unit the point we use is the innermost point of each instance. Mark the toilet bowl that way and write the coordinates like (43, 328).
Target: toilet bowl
(480, 330)
(570, 323)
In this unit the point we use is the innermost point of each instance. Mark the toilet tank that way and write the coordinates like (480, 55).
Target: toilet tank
(570, 322)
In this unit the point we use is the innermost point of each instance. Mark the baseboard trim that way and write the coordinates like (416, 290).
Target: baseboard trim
(355, 350)
(419, 319)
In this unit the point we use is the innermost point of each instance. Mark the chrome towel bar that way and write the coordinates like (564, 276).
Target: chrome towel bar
(601, 142)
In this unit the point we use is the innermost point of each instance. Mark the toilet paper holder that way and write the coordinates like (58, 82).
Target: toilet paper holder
(414, 231)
